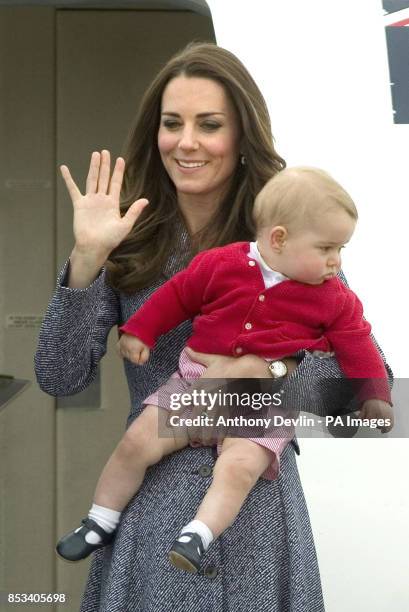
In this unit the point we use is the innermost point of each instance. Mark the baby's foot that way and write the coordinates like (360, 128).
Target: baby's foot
(187, 551)
(75, 546)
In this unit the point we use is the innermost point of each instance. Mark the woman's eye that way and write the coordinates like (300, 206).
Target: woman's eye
(171, 124)
(210, 126)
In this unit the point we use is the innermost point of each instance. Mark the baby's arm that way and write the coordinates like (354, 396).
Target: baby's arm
(178, 300)
(349, 335)
(131, 348)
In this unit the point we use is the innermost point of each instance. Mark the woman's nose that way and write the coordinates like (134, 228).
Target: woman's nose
(188, 140)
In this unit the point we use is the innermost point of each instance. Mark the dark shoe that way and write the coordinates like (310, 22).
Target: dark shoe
(187, 555)
(73, 546)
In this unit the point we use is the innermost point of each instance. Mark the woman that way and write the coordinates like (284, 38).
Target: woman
(200, 151)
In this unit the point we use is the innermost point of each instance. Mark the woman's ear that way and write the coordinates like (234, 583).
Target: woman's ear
(278, 238)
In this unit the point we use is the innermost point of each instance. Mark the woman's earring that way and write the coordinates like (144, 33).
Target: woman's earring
(243, 160)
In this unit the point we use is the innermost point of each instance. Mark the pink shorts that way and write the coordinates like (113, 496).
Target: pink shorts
(179, 383)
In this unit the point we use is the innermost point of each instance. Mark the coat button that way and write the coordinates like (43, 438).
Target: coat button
(248, 326)
(211, 572)
(252, 263)
(205, 471)
(261, 298)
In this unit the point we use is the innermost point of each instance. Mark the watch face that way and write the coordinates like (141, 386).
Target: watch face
(278, 369)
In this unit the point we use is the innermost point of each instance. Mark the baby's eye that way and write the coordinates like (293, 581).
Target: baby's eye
(324, 249)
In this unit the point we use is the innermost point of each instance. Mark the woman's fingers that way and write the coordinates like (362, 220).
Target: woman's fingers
(92, 178)
(71, 186)
(98, 178)
(117, 178)
(104, 172)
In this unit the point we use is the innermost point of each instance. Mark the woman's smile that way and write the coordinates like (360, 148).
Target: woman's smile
(187, 166)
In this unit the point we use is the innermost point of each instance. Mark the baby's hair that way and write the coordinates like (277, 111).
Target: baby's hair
(295, 196)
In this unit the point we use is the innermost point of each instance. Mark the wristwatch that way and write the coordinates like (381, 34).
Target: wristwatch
(277, 369)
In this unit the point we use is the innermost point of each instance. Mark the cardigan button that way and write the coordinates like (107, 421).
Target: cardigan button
(239, 350)
(252, 263)
(261, 297)
(248, 326)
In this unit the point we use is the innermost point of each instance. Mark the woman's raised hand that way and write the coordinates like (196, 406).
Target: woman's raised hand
(98, 225)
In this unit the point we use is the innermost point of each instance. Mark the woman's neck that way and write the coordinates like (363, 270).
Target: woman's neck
(197, 210)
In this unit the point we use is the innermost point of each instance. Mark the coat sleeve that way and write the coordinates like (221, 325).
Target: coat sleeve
(178, 300)
(73, 335)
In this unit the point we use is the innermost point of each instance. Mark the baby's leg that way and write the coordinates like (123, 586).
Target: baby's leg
(139, 448)
(121, 478)
(235, 473)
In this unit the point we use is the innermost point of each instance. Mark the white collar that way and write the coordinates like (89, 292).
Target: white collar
(268, 272)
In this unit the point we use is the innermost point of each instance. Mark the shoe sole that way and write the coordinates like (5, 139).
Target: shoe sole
(73, 560)
(69, 560)
(181, 562)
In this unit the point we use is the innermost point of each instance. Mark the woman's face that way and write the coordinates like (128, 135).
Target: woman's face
(198, 138)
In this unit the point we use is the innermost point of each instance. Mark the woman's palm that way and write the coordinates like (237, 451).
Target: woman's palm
(98, 225)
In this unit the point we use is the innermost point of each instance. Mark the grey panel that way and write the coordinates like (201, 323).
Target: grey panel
(197, 6)
(10, 387)
(398, 51)
(391, 6)
(27, 172)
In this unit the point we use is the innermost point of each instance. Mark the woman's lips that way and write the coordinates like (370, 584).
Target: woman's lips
(190, 166)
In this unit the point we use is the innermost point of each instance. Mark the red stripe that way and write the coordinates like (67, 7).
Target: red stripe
(399, 23)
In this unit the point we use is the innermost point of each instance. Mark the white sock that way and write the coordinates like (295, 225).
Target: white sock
(201, 529)
(106, 518)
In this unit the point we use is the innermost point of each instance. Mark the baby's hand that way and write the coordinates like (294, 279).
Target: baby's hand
(133, 349)
(377, 409)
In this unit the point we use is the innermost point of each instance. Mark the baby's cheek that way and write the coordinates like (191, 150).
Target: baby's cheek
(310, 269)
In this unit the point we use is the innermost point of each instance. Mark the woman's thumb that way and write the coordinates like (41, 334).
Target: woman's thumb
(135, 210)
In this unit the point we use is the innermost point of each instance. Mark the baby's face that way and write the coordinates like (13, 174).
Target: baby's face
(313, 255)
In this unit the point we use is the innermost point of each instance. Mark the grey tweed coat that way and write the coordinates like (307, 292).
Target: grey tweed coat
(265, 562)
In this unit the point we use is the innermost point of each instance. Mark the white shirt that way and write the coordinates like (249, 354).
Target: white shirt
(270, 276)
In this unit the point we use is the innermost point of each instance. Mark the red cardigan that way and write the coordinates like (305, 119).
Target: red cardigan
(233, 313)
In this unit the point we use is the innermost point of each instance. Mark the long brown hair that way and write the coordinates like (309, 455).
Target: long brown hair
(140, 258)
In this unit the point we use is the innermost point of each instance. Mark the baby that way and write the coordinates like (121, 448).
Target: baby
(272, 298)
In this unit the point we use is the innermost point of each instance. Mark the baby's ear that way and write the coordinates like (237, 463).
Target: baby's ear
(278, 237)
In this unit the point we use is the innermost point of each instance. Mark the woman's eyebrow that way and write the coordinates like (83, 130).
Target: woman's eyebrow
(207, 114)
